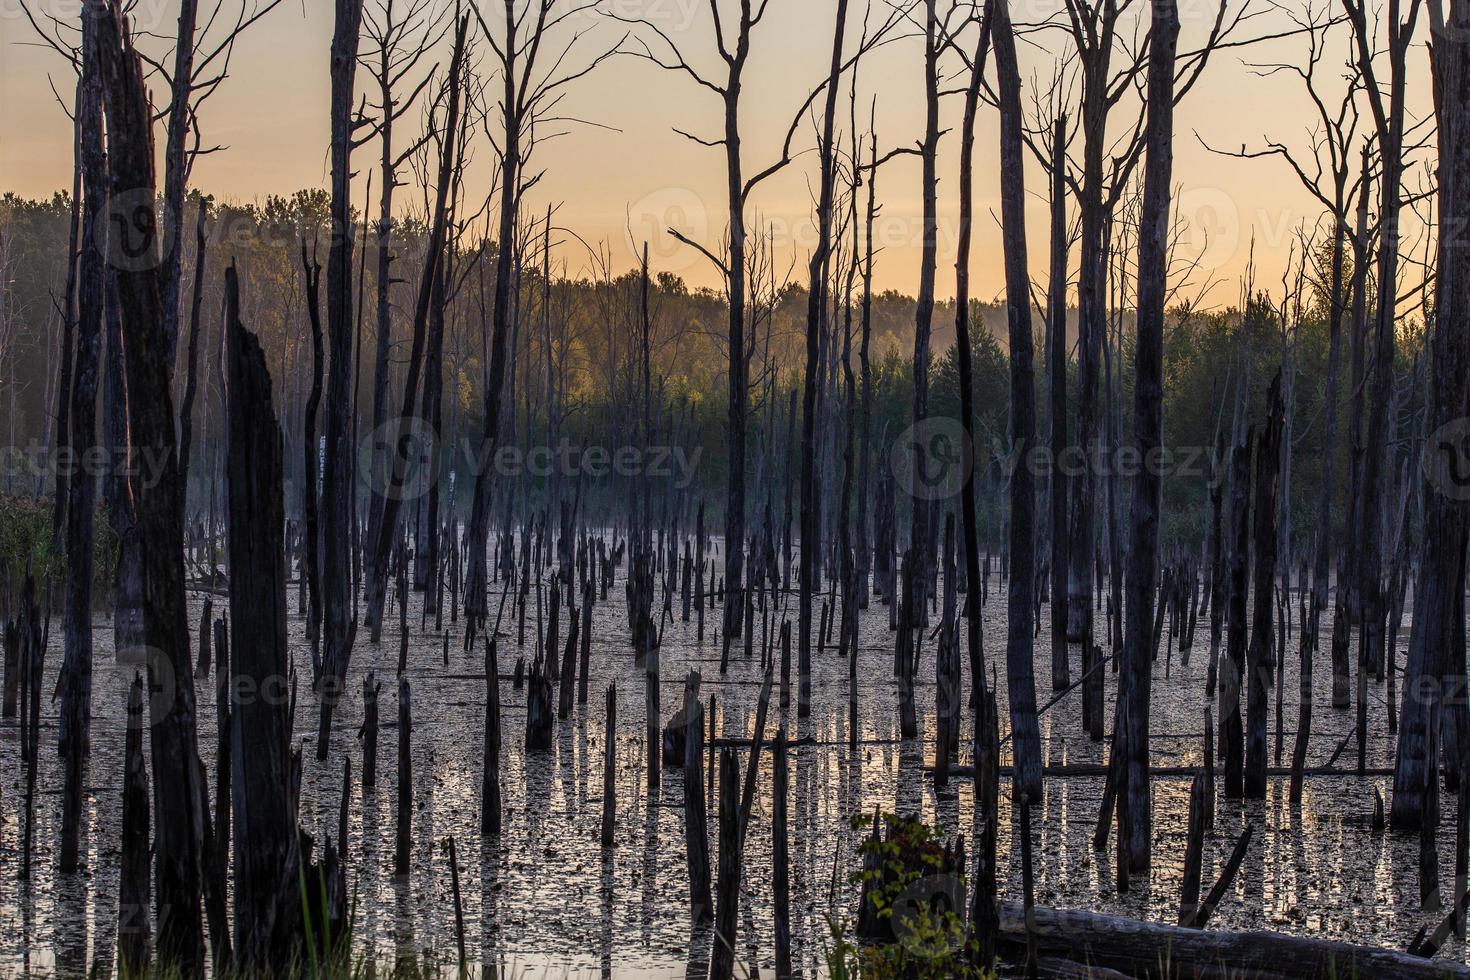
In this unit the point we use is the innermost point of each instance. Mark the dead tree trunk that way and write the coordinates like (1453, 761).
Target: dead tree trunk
(1056, 363)
(1135, 678)
(816, 316)
(151, 419)
(1232, 667)
(1438, 623)
(969, 520)
(76, 670)
(1021, 684)
(403, 838)
(430, 287)
(267, 858)
(134, 876)
(339, 607)
(727, 892)
(696, 829)
(1259, 656)
(1389, 120)
(311, 566)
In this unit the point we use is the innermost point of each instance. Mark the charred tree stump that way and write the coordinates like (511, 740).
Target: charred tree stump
(582, 679)
(403, 840)
(696, 827)
(569, 666)
(267, 897)
(540, 715)
(780, 856)
(371, 688)
(727, 888)
(609, 769)
(1268, 483)
(134, 876)
(1194, 846)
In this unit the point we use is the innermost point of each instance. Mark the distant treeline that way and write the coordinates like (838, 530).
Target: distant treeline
(573, 304)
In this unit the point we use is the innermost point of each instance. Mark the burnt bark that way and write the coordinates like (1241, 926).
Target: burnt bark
(1438, 610)
(1135, 679)
(133, 255)
(81, 488)
(267, 895)
(339, 610)
(1021, 684)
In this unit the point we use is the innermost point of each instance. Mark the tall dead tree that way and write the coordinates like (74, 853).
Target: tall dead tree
(529, 90)
(431, 286)
(732, 267)
(400, 41)
(1056, 366)
(934, 35)
(1094, 30)
(134, 260)
(1260, 656)
(339, 487)
(1437, 633)
(81, 488)
(734, 48)
(311, 568)
(816, 314)
(1389, 120)
(1020, 679)
(969, 519)
(1135, 677)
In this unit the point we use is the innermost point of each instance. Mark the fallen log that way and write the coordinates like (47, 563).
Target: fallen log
(1164, 772)
(1164, 952)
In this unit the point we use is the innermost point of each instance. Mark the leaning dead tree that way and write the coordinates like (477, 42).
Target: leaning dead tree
(430, 286)
(399, 40)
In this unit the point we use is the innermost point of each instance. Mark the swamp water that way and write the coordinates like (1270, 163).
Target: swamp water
(544, 900)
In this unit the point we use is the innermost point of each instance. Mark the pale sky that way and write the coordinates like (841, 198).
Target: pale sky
(272, 115)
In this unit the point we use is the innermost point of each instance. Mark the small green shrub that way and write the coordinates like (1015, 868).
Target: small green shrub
(916, 898)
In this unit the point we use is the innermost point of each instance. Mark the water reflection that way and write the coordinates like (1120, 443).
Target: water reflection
(545, 894)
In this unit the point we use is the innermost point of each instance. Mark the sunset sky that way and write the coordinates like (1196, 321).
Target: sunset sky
(628, 182)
